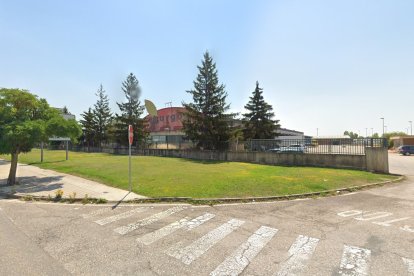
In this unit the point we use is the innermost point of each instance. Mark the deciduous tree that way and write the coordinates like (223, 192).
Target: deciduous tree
(26, 120)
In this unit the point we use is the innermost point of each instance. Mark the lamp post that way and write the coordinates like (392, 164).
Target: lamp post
(383, 127)
(317, 132)
(411, 127)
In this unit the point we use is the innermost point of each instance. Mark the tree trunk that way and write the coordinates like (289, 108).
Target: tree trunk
(13, 169)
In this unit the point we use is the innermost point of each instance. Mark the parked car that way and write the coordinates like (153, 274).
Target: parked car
(406, 150)
(274, 149)
(293, 148)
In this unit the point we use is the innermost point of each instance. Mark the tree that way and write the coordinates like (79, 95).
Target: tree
(26, 120)
(206, 122)
(88, 127)
(352, 135)
(236, 136)
(388, 136)
(102, 116)
(131, 112)
(65, 110)
(258, 122)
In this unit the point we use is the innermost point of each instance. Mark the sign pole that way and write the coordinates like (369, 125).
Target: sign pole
(130, 188)
(130, 138)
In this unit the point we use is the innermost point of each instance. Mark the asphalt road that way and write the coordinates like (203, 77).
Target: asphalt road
(365, 233)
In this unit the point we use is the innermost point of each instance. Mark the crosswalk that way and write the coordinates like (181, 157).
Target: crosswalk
(354, 260)
(243, 255)
(147, 221)
(190, 253)
(299, 254)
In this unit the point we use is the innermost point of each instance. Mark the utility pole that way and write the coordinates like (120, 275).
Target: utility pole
(317, 132)
(383, 127)
(366, 132)
(411, 127)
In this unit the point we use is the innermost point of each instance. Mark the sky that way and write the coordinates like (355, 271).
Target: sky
(326, 65)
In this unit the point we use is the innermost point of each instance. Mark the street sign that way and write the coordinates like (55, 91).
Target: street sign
(130, 134)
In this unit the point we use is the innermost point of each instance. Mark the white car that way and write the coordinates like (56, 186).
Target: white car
(293, 148)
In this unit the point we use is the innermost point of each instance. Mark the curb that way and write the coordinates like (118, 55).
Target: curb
(213, 201)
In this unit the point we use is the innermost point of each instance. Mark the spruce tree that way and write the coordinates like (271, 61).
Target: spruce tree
(130, 114)
(102, 116)
(258, 121)
(206, 121)
(88, 127)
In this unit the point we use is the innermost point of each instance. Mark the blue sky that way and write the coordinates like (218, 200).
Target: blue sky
(331, 65)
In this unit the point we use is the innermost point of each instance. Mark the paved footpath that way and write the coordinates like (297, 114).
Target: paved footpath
(41, 182)
(365, 233)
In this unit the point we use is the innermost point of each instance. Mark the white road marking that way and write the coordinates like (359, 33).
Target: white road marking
(299, 254)
(198, 221)
(355, 261)
(407, 228)
(171, 228)
(388, 222)
(97, 212)
(188, 254)
(241, 258)
(162, 232)
(372, 216)
(149, 220)
(410, 265)
(121, 216)
(350, 213)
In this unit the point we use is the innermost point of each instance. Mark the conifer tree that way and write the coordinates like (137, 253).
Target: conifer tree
(206, 121)
(258, 121)
(88, 127)
(130, 114)
(102, 116)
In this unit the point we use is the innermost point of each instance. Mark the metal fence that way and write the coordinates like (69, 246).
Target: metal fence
(302, 146)
(316, 146)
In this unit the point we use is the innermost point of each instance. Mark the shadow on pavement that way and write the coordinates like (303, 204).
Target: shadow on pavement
(120, 201)
(32, 184)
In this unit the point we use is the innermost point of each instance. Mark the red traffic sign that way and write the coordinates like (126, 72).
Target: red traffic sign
(130, 134)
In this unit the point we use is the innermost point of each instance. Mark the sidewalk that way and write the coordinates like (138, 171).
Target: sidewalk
(39, 182)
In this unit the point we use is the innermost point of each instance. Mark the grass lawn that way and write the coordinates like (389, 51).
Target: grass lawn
(160, 176)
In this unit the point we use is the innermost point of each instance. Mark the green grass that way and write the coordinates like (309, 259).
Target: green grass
(175, 177)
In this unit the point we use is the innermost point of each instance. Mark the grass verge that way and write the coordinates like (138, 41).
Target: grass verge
(175, 177)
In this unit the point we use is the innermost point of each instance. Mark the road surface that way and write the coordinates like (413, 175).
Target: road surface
(365, 233)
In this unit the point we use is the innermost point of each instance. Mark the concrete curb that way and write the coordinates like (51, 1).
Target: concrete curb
(215, 201)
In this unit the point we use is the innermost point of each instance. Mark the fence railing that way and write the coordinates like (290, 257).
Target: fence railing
(316, 145)
(302, 146)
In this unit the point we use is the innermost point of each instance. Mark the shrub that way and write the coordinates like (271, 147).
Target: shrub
(85, 199)
(101, 200)
(72, 197)
(58, 194)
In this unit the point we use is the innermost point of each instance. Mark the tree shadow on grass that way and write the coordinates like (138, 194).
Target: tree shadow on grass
(204, 162)
(44, 162)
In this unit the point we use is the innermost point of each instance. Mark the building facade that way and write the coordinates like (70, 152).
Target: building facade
(166, 129)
